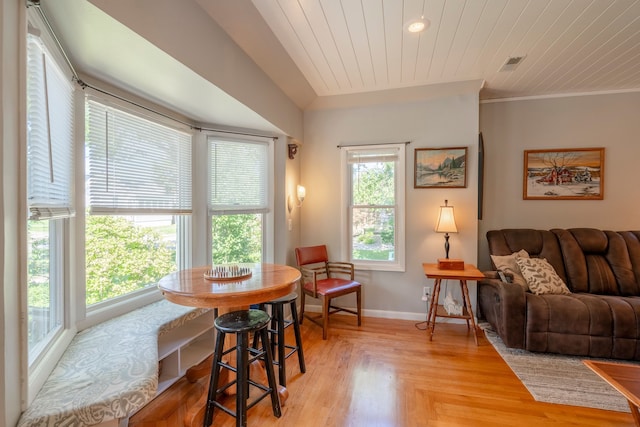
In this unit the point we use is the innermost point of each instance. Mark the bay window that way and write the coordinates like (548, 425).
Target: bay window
(239, 199)
(138, 200)
(50, 173)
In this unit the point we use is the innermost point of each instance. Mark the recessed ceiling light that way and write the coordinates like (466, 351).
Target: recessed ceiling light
(418, 25)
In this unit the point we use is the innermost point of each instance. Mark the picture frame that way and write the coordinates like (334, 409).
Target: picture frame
(480, 175)
(563, 174)
(440, 167)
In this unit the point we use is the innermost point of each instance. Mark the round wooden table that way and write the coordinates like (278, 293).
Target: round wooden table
(267, 282)
(191, 288)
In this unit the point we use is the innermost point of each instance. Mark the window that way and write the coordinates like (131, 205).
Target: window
(50, 173)
(139, 192)
(239, 199)
(374, 184)
(125, 254)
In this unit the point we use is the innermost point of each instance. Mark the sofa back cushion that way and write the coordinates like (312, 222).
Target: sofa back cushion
(632, 239)
(538, 243)
(597, 262)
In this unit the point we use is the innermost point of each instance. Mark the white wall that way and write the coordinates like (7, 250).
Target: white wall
(179, 28)
(610, 121)
(449, 121)
(11, 17)
(287, 241)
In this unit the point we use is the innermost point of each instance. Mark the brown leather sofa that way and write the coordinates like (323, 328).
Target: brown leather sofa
(601, 316)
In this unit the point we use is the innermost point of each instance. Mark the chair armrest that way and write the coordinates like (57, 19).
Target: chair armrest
(310, 275)
(341, 267)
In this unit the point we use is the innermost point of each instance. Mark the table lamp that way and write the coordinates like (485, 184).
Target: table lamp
(447, 224)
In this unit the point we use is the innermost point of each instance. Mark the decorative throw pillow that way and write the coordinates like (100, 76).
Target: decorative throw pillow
(541, 277)
(508, 264)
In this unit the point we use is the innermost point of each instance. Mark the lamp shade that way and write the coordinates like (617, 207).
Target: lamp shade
(446, 220)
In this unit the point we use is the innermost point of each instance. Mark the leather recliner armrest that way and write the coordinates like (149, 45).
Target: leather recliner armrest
(504, 306)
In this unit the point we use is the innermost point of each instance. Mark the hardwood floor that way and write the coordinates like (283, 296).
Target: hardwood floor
(388, 374)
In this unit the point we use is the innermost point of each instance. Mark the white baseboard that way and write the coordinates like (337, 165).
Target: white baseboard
(382, 314)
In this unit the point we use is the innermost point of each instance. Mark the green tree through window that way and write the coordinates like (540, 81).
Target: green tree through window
(236, 238)
(123, 257)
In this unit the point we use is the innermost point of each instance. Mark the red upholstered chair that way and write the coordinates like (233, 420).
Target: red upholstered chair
(325, 280)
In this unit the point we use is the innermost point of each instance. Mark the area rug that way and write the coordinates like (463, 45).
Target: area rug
(559, 379)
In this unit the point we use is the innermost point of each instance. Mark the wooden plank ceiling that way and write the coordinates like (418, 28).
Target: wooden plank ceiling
(568, 46)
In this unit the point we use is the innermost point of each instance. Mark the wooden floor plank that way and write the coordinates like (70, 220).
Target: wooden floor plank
(388, 374)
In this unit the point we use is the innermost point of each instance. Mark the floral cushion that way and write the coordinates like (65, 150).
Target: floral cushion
(109, 371)
(541, 277)
(508, 264)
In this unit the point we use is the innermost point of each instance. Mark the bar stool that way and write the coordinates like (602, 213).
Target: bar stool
(242, 323)
(277, 330)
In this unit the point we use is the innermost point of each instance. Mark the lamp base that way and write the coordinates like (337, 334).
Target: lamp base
(450, 264)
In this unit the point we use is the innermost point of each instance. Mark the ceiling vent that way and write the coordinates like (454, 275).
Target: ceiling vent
(512, 62)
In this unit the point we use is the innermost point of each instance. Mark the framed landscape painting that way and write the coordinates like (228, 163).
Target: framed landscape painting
(572, 174)
(440, 167)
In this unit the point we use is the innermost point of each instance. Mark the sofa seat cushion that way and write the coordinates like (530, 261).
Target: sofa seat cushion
(584, 324)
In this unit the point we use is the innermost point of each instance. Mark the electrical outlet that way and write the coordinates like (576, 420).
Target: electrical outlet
(426, 292)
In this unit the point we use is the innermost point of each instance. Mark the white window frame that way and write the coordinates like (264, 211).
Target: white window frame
(108, 309)
(268, 227)
(38, 368)
(346, 224)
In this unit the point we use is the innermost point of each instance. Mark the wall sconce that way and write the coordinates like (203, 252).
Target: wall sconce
(301, 193)
(447, 224)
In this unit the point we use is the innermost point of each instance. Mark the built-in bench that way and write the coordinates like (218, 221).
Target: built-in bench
(109, 371)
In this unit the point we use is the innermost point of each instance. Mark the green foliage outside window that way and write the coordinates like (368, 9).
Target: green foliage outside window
(38, 267)
(374, 184)
(373, 193)
(122, 258)
(237, 238)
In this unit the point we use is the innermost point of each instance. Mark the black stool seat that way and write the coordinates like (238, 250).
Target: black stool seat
(277, 330)
(242, 323)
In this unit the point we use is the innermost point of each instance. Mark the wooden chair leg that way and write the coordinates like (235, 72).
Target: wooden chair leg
(326, 302)
(301, 317)
(359, 306)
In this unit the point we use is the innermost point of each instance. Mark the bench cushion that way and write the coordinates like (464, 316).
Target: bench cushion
(109, 371)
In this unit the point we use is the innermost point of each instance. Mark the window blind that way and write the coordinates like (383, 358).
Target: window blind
(238, 176)
(135, 165)
(372, 155)
(50, 112)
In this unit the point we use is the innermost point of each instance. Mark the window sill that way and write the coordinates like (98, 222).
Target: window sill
(374, 266)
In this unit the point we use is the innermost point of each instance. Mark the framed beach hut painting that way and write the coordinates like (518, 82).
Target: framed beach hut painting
(440, 167)
(572, 174)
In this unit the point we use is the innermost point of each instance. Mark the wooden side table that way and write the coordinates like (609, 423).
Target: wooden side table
(470, 272)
